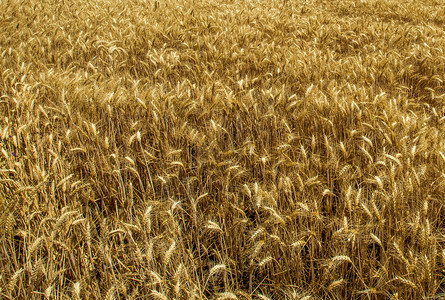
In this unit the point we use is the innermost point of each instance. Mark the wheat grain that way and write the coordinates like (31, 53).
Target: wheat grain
(213, 226)
(169, 253)
(35, 245)
(227, 296)
(48, 291)
(358, 197)
(217, 269)
(9, 224)
(110, 295)
(406, 282)
(335, 284)
(262, 297)
(265, 261)
(376, 239)
(37, 273)
(158, 295)
(257, 248)
(13, 280)
(76, 290)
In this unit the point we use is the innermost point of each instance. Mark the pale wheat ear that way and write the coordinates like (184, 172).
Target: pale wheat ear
(216, 269)
(169, 253)
(335, 284)
(262, 297)
(227, 296)
(158, 295)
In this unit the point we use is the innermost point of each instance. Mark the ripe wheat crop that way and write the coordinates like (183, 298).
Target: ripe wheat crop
(222, 149)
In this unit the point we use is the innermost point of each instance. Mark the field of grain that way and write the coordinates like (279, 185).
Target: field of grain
(262, 149)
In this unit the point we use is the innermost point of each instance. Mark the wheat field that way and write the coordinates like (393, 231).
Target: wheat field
(222, 149)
